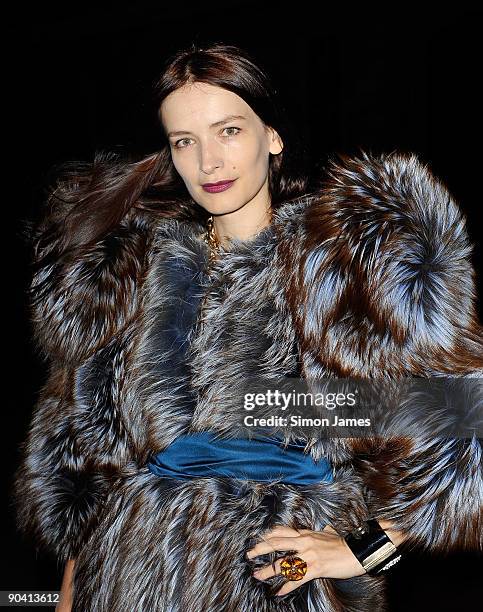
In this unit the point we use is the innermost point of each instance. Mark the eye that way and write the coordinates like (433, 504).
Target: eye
(233, 128)
(177, 144)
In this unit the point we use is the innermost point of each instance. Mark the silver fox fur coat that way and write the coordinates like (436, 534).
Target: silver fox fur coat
(370, 275)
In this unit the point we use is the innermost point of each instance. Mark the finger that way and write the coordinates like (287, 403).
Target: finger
(284, 530)
(264, 539)
(268, 571)
(272, 545)
(291, 585)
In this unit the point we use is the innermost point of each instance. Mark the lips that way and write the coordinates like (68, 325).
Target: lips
(218, 183)
(216, 187)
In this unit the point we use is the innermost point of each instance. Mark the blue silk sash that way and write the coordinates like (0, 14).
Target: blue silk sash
(201, 454)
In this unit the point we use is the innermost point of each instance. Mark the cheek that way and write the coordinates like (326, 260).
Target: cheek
(186, 168)
(260, 160)
(247, 157)
(179, 164)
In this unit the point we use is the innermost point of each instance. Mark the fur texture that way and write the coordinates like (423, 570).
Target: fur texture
(368, 277)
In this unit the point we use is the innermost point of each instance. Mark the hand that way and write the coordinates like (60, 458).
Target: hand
(65, 596)
(326, 553)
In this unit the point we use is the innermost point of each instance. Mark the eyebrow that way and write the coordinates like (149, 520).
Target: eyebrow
(221, 122)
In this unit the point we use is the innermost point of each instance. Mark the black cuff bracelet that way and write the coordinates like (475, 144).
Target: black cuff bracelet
(373, 548)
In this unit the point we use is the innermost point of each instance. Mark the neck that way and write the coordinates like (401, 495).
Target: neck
(242, 224)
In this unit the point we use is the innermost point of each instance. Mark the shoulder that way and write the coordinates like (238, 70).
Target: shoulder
(77, 305)
(372, 196)
(382, 254)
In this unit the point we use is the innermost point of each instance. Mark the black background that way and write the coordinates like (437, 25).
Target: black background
(81, 80)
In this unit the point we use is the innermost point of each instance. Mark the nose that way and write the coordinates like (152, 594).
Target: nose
(210, 157)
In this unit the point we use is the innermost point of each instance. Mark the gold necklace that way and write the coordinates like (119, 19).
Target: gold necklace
(213, 243)
(211, 239)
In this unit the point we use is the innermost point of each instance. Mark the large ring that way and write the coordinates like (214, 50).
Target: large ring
(293, 568)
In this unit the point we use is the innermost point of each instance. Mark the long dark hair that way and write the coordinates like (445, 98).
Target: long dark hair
(87, 199)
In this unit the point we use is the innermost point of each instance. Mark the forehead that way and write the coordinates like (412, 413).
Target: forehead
(200, 104)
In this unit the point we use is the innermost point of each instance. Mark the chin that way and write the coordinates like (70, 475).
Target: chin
(221, 209)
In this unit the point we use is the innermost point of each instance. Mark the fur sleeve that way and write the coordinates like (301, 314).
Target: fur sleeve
(58, 491)
(76, 306)
(76, 441)
(388, 290)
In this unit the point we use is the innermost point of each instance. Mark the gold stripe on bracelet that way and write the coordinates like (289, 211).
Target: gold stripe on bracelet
(378, 556)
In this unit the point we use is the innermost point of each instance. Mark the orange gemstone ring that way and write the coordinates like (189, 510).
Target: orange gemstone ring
(293, 568)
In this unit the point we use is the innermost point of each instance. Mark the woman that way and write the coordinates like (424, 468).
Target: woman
(158, 298)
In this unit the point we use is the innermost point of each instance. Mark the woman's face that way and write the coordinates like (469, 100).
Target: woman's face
(209, 148)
